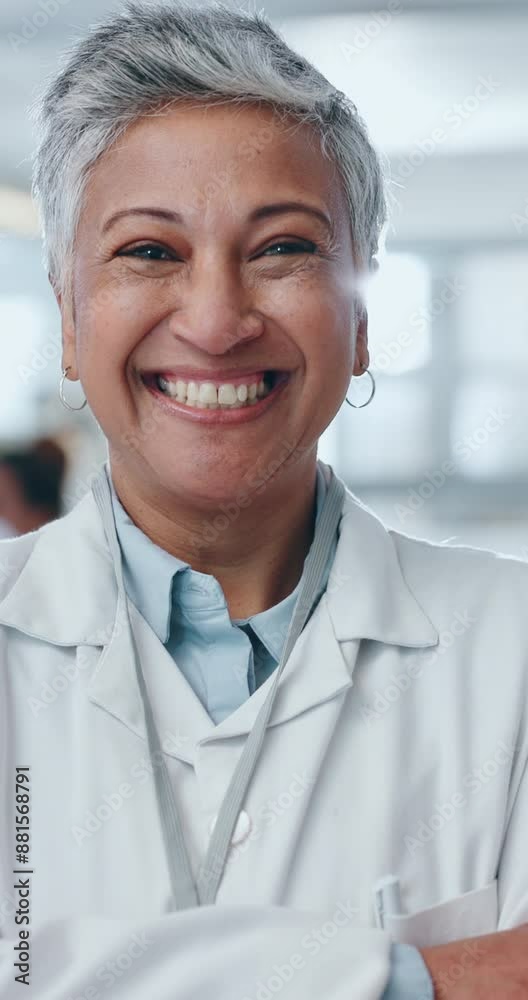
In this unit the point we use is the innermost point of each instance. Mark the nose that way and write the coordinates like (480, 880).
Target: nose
(216, 312)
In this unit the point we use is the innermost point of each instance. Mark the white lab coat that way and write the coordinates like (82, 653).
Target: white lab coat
(397, 745)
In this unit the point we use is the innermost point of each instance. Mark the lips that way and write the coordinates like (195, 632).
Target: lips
(213, 392)
(214, 399)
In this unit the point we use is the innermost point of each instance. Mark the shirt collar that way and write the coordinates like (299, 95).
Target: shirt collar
(149, 573)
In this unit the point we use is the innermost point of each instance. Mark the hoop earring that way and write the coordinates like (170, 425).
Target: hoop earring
(359, 406)
(64, 401)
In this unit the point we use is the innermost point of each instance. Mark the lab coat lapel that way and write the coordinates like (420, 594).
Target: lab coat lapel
(368, 595)
(180, 717)
(317, 671)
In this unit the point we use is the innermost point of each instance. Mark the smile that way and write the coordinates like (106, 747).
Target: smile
(215, 399)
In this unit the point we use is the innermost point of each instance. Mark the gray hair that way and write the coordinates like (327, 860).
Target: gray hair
(149, 56)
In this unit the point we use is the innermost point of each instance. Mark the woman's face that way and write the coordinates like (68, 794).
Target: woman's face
(214, 248)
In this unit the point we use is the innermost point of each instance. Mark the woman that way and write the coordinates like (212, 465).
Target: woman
(243, 702)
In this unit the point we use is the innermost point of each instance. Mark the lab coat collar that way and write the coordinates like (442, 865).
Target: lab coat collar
(56, 567)
(183, 723)
(58, 583)
(368, 595)
(367, 598)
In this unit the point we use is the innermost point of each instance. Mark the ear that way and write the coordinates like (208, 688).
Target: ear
(362, 358)
(69, 354)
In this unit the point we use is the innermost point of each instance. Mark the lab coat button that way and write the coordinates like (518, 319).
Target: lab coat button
(242, 828)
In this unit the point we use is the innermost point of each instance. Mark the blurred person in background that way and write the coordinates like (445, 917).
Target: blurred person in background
(31, 481)
(274, 746)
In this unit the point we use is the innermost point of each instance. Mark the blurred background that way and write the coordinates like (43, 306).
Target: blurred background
(442, 451)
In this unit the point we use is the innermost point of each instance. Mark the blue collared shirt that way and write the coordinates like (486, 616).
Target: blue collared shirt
(225, 660)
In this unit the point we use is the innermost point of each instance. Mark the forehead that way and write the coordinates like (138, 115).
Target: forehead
(219, 158)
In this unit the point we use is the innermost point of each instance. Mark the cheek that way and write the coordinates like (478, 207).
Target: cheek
(326, 340)
(329, 340)
(108, 328)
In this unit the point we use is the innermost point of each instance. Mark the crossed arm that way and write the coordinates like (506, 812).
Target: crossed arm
(491, 967)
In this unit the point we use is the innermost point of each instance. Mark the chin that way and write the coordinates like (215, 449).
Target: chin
(206, 480)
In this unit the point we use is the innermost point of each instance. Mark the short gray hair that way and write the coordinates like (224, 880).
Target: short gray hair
(148, 56)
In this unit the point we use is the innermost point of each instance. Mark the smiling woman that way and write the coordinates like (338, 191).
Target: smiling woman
(206, 244)
(219, 621)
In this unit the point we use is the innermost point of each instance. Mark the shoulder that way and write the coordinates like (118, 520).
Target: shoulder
(460, 562)
(442, 578)
(14, 555)
(54, 537)
(447, 575)
(56, 581)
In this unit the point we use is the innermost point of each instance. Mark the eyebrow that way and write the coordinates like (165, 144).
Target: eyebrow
(263, 212)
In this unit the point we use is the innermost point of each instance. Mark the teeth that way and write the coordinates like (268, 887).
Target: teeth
(205, 395)
(181, 391)
(227, 395)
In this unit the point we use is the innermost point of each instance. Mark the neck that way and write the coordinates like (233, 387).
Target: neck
(258, 556)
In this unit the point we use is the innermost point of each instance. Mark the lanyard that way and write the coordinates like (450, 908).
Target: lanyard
(185, 891)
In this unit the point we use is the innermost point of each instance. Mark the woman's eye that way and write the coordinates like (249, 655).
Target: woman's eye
(286, 247)
(149, 251)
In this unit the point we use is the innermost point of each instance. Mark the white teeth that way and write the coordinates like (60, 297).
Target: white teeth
(206, 395)
(227, 395)
(181, 391)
